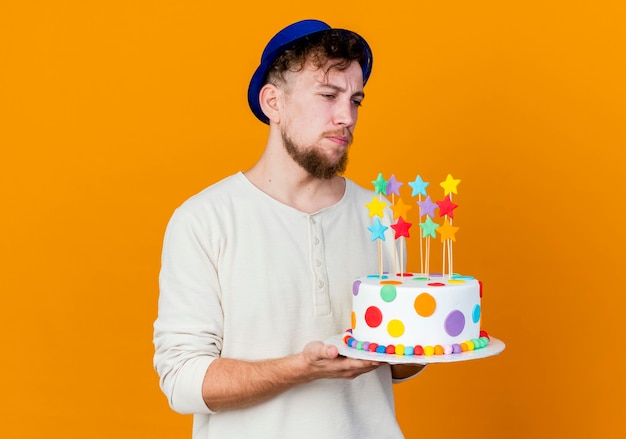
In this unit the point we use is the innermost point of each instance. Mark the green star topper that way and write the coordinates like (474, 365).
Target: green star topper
(380, 185)
(429, 227)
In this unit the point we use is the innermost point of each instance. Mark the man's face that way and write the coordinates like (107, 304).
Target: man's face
(319, 116)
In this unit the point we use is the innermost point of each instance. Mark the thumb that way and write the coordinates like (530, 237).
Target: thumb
(320, 351)
(331, 351)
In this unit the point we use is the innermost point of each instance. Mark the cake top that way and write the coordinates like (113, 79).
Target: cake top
(417, 279)
(433, 218)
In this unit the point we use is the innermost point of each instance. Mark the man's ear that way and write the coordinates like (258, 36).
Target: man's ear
(269, 98)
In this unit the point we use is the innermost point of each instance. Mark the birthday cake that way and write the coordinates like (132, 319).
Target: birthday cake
(416, 313)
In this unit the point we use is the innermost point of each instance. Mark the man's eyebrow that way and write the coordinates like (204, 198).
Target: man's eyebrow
(359, 93)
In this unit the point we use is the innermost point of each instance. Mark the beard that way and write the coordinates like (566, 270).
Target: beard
(312, 160)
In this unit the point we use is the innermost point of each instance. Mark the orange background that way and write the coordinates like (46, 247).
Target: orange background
(113, 113)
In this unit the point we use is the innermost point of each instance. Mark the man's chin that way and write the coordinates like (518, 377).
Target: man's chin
(329, 170)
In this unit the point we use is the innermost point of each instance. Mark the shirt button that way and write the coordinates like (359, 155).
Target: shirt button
(320, 284)
(318, 262)
(316, 241)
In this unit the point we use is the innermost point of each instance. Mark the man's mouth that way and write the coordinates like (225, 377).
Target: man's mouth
(340, 138)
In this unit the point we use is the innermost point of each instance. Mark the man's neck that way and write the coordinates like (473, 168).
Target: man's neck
(284, 180)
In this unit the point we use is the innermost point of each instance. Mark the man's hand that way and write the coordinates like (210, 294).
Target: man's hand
(324, 361)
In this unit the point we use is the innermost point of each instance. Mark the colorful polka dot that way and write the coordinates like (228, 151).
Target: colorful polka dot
(425, 305)
(353, 318)
(395, 328)
(391, 282)
(373, 317)
(456, 281)
(476, 313)
(377, 276)
(454, 323)
(355, 287)
(458, 276)
(436, 284)
(388, 293)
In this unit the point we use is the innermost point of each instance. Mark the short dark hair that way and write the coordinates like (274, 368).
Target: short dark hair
(339, 45)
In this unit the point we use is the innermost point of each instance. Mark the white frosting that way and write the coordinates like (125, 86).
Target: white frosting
(450, 314)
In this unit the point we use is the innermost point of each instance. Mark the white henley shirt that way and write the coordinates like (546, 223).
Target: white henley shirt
(244, 276)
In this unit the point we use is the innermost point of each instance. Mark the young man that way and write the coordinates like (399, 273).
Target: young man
(257, 269)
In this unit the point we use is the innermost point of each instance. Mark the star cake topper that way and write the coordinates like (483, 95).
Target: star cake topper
(447, 231)
(380, 184)
(393, 186)
(449, 185)
(378, 230)
(427, 207)
(400, 209)
(446, 206)
(376, 207)
(419, 186)
(429, 227)
(401, 228)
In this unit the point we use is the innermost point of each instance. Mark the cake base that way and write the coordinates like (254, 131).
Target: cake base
(494, 347)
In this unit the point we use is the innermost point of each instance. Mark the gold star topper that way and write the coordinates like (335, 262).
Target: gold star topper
(400, 209)
(447, 231)
(449, 185)
(376, 207)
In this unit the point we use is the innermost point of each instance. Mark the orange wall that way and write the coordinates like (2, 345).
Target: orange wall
(112, 113)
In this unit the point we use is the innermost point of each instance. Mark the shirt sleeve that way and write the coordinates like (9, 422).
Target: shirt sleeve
(188, 330)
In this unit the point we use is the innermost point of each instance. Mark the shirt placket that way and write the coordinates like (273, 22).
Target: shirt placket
(321, 294)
